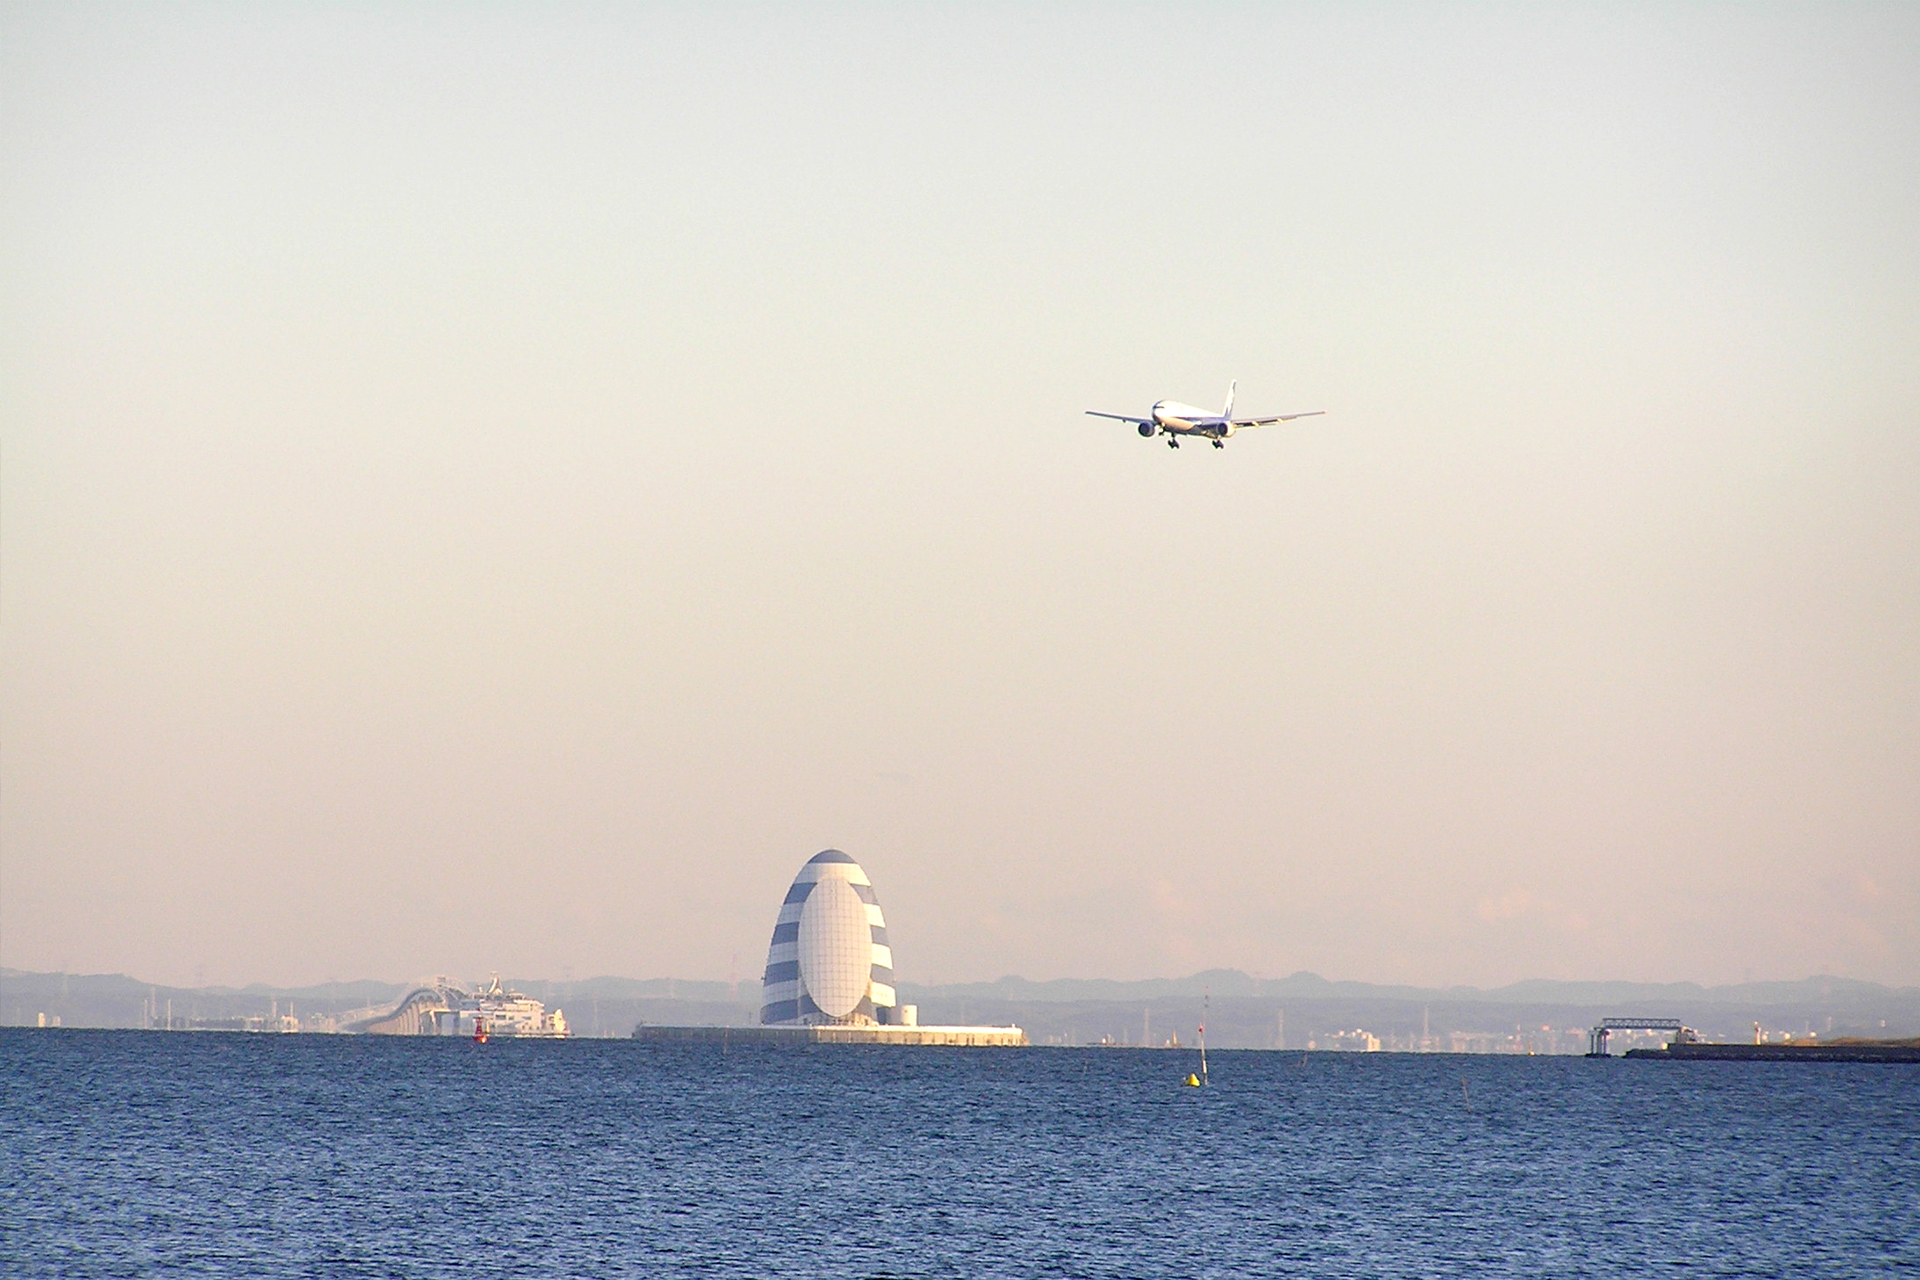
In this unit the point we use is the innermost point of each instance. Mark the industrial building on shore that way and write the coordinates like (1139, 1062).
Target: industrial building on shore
(829, 963)
(829, 974)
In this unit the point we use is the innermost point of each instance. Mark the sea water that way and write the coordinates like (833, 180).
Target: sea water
(154, 1154)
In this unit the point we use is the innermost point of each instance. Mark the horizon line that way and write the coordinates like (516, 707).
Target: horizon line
(9, 972)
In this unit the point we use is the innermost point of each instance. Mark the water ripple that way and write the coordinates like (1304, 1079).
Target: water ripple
(129, 1154)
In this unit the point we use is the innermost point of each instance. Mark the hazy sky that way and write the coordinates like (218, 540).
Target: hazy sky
(498, 487)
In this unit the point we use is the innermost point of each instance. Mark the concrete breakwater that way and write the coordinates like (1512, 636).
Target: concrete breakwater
(975, 1037)
(1831, 1051)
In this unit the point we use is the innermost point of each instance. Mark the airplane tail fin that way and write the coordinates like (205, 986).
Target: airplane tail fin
(1228, 411)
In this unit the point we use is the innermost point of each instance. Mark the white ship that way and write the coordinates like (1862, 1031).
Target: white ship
(508, 1013)
(439, 1008)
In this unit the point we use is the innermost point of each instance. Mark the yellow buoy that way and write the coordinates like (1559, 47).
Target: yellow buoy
(1194, 1081)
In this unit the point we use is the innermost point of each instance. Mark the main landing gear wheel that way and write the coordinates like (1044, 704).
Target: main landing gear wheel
(1219, 444)
(1172, 443)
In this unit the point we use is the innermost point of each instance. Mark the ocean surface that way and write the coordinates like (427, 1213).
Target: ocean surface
(149, 1154)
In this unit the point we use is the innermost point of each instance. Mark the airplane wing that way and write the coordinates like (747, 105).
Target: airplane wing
(1284, 417)
(1119, 417)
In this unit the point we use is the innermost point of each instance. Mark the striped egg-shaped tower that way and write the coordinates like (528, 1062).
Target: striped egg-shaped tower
(829, 963)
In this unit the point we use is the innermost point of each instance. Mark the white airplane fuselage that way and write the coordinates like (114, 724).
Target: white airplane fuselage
(1173, 419)
(1179, 419)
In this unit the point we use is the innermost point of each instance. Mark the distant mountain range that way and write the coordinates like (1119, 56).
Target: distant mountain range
(1303, 985)
(1222, 983)
(595, 1006)
(1302, 1010)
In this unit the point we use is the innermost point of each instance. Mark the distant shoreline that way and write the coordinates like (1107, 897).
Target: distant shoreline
(1299, 1012)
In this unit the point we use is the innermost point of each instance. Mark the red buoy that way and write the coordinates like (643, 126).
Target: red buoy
(479, 1031)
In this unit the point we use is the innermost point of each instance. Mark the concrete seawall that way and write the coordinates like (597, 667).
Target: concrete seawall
(975, 1037)
(1838, 1051)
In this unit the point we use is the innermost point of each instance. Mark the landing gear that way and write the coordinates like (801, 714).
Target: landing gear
(1172, 443)
(1219, 444)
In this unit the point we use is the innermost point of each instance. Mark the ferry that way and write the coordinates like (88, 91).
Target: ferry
(440, 1008)
(500, 1012)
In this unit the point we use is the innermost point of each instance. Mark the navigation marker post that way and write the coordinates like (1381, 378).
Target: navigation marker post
(1206, 1007)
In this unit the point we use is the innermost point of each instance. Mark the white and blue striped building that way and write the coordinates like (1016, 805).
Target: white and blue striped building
(829, 963)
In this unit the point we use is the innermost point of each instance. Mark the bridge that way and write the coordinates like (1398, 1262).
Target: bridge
(416, 1014)
(1597, 1038)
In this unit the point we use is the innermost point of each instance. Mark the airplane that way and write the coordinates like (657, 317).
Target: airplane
(1173, 419)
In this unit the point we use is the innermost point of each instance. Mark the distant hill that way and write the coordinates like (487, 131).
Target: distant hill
(1234, 983)
(1297, 1011)
(1305, 1010)
(594, 1006)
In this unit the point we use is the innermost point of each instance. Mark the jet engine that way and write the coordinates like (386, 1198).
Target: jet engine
(1148, 428)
